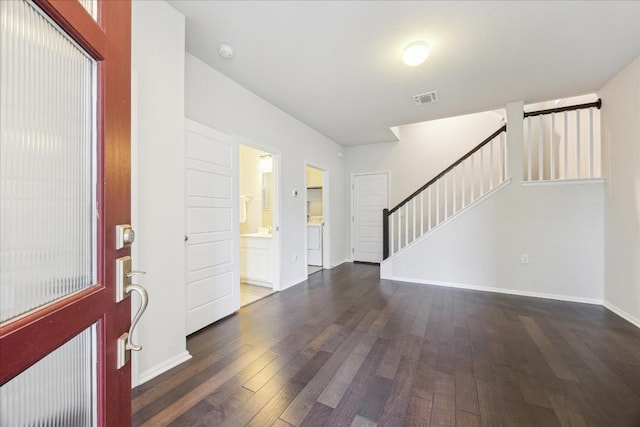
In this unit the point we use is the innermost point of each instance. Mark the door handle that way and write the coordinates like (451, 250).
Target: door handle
(144, 297)
(125, 343)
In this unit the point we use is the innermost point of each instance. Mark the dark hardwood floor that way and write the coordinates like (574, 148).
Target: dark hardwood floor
(348, 349)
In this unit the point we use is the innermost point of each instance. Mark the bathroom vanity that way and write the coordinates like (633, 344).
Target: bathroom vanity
(256, 259)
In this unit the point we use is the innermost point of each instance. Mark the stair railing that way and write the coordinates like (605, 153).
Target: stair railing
(465, 181)
(562, 143)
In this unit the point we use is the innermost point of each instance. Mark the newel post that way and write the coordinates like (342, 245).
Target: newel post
(385, 233)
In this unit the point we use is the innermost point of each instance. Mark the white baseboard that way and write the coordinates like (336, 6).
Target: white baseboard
(386, 269)
(519, 292)
(161, 368)
(339, 263)
(294, 282)
(626, 316)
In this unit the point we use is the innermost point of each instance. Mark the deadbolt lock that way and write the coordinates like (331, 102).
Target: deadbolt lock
(125, 236)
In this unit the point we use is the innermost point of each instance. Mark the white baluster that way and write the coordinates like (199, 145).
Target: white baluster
(552, 148)
(464, 179)
(503, 142)
(422, 212)
(591, 143)
(429, 194)
(481, 156)
(472, 183)
(392, 234)
(565, 144)
(445, 198)
(491, 169)
(414, 217)
(541, 148)
(437, 184)
(577, 143)
(529, 123)
(406, 223)
(399, 211)
(454, 172)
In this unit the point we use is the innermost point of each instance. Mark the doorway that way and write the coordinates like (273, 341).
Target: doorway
(258, 201)
(316, 210)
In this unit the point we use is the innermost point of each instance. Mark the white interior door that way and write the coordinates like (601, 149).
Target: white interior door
(370, 196)
(212, 264)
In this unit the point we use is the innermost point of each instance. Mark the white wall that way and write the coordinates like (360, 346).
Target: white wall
(423, 151)
(482, 247)
(559, 227)
(621, 154)
(216, 101)
(158, 183)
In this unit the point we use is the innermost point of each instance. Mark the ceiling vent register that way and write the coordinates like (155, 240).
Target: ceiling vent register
(425, 98)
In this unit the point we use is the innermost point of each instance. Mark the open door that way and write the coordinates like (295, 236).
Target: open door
(65, 170)
(212, 272)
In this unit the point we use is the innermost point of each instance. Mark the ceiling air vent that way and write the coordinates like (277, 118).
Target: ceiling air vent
(425, 98)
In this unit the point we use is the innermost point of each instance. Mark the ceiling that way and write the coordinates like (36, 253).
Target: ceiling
(335, 65)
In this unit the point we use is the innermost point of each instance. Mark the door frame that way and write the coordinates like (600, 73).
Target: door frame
(276, 157)
(352, 212)
(326, 217)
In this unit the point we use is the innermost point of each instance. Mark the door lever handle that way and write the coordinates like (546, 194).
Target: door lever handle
(125, 345)
(136, 273)
(144, 297)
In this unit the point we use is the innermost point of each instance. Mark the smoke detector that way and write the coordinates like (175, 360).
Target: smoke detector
(425, 98)
(225, 51)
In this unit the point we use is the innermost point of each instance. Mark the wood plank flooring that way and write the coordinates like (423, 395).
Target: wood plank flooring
(348, 349)
(252, 293)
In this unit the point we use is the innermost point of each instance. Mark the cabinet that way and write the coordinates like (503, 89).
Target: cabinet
(256, 259)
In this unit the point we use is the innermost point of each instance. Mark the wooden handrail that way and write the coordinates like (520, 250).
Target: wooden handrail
(596, 104)
(453, 165)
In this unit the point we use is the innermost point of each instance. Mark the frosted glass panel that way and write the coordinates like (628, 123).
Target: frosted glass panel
(92, 7)
(47, 200)
(58, 390)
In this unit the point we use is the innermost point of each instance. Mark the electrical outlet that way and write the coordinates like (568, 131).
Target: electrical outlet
(524, 258)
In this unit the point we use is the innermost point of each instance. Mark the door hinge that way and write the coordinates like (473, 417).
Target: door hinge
(353, 218)
(353, 251)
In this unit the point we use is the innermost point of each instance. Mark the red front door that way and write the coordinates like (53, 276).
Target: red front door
(65, 131)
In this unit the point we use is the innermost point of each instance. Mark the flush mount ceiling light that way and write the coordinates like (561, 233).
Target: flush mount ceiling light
(415, 53)
(225, 51)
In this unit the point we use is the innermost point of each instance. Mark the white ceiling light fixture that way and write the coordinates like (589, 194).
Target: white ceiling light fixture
(225, 51)
(415, 53)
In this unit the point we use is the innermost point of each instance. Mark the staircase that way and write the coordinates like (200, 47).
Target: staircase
(456, 188)
(491, 229)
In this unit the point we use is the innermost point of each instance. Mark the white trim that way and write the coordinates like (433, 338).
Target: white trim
(563, 181)
(626, 316)
(295, 282)
(161, 368)
(518, 292)
(452, 217)
(337, 264)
